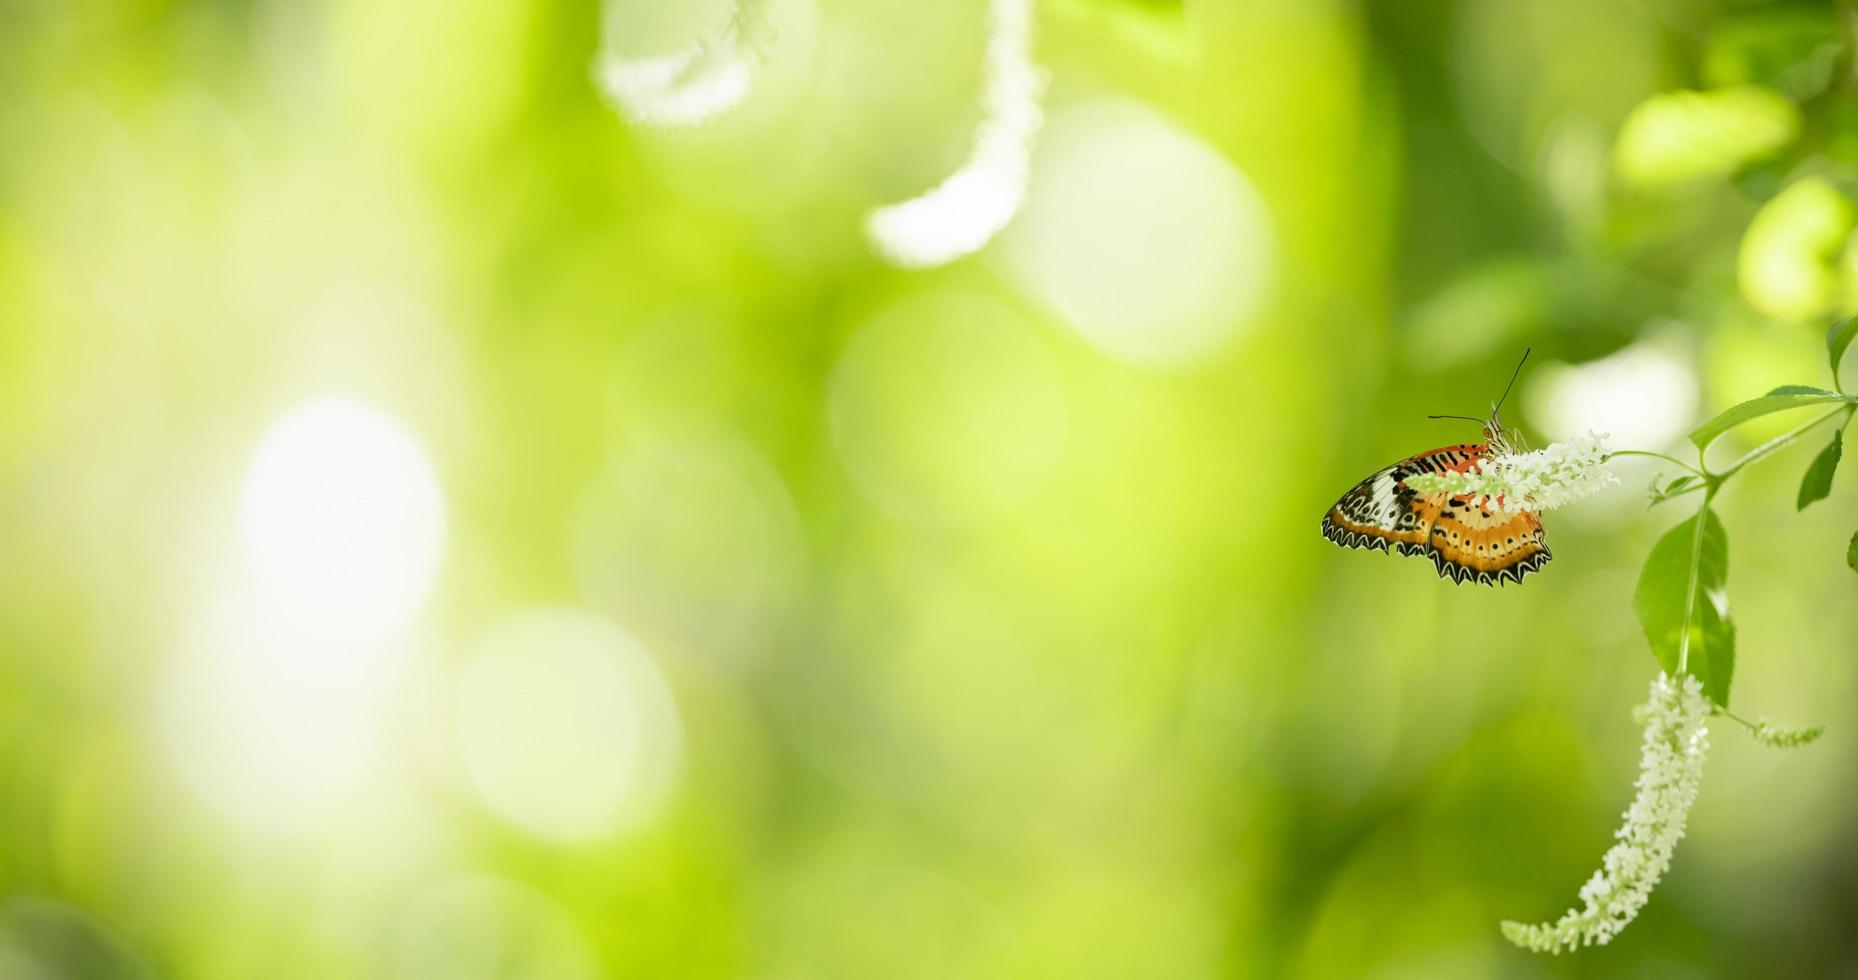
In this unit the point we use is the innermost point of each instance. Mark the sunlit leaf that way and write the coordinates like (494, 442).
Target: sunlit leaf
(1818, 480)
(1802, 390)
(1755, 408)
(1838, 338)
(1681, 593)
(1788, 264)
(1681, 137)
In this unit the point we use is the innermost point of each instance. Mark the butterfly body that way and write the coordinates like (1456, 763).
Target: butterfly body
(1466, 541)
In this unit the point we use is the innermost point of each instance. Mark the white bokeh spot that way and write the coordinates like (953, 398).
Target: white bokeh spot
(1643, 395)
(343, 523)
(565, 726)
(1147, 241)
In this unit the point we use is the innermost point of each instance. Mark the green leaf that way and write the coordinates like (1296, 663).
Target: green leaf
(1851, 553)
(1756, 407)
(1802, 390)
(1662, 493)
(1817, 483)
(1678, 138)
(1794, 49)
(1682, 595)
(1837, 339)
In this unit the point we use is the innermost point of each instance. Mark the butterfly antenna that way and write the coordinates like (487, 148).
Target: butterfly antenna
(1467, 418)
(1506, 388)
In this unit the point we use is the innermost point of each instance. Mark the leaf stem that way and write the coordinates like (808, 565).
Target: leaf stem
(1777, 443)
(1690, 591)
(1693, 488)
(1642, 452)
(1718, 709)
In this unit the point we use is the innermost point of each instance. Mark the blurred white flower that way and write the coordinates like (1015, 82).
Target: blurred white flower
(1785, 736)
(973, 204)
(1670, 770)
(1541, 480)
(689, 86)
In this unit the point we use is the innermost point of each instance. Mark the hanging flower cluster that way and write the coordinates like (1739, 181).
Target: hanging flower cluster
(974, 203)
(1670, 770)
(1540, 480)
(692, 85)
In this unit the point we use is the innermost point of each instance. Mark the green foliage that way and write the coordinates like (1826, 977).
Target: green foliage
(1851, 553)
(1792, 49)
(1661, 492)
(1683, 605)
(1679, 138)
(1838, 338)
(1817, 483)
(1791, 396)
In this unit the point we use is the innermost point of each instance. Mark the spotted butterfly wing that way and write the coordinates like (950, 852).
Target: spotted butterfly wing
(1465, 543)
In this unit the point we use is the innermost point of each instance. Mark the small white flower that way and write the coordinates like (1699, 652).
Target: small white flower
(974, 203)
(1670, 769)
(1542, 480)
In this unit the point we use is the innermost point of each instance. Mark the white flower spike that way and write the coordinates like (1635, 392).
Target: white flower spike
(692, 85)
(1676, 741)
(973, 204)
(1511, 482)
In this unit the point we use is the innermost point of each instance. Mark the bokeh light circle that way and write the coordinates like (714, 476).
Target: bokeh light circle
(947, 408)
(1146, 240)
(1642, 396)
(271, 728)
(342, 521)
(565, 726)
(690, 536)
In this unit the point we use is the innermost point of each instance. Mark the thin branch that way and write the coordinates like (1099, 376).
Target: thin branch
(1778, 443)
(1642, 452)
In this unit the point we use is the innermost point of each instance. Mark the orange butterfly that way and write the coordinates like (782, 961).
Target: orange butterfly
(1466, 541)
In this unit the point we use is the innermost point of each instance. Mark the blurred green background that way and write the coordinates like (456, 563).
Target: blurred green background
(446, 531)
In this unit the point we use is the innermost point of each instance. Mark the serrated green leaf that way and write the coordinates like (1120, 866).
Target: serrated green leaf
(1817, 483)
(1802, 390)
(1682, 599)
(1755, 408)
(1838, 338)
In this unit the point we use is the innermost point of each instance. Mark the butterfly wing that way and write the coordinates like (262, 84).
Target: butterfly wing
(1465, 543)
(1382, 514)
(1468, 544)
